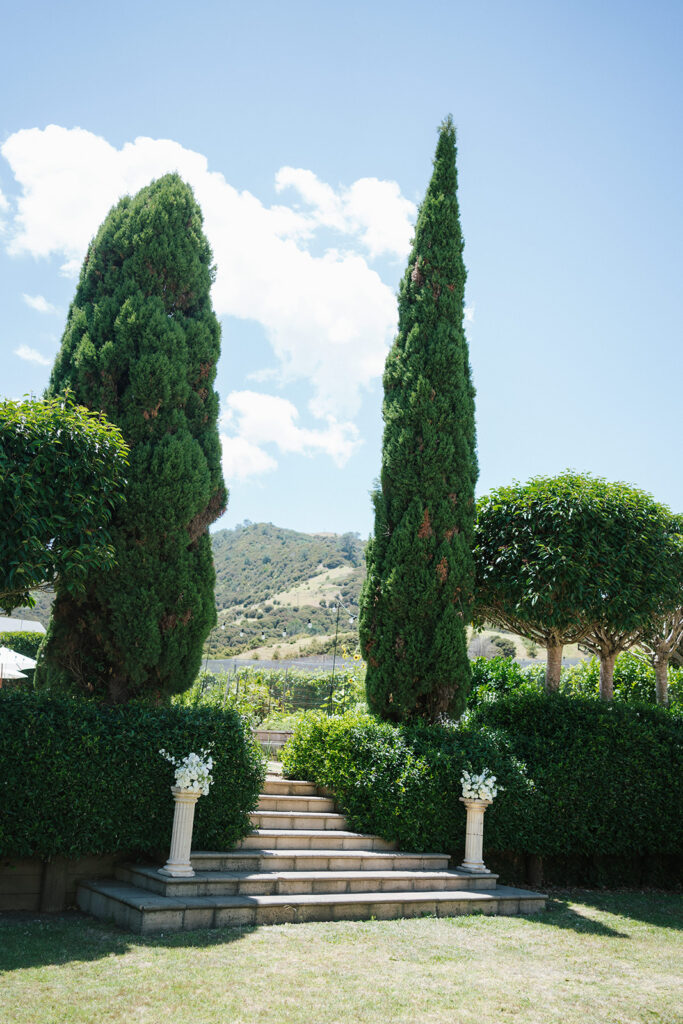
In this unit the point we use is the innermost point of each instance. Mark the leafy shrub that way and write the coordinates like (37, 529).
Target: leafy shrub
(634, 679)
(403, 782)
(507, 647)
(492, 677)
(78, 777)
(23, 643)
(261, 692)
(245, 694)
(580, 777)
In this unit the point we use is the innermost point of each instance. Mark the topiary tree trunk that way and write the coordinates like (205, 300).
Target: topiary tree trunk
(415, 604)
(141, 344)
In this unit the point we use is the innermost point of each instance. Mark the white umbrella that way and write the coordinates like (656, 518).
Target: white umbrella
(11, 664)
(8, 657)
(10, 672)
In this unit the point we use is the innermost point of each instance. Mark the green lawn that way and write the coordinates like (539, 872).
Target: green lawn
(592, 957)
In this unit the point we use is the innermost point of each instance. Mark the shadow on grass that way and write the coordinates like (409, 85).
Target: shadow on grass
(663, 910)
(38, 940)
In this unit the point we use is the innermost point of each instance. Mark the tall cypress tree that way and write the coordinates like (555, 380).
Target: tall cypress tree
(416, 600)
(141, 344)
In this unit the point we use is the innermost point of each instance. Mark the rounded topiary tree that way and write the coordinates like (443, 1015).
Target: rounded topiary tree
(576, 558)
(141, 345)
(415, 603)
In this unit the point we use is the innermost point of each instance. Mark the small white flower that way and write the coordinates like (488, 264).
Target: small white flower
(479, 787)
(193, 772)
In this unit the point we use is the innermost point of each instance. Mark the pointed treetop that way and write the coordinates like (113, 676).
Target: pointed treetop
(444, 178)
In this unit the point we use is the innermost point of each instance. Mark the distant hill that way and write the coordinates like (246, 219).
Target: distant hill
(270, 580)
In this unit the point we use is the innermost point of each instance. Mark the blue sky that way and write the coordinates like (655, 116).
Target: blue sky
(307, 131)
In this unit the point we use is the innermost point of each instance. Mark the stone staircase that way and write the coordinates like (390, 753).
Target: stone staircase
(301, 863)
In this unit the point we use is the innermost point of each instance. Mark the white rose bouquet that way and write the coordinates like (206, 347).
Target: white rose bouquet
(479, 787)
(193, 772)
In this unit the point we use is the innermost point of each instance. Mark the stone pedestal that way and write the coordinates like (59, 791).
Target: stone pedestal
(178, 864)
(474, 839)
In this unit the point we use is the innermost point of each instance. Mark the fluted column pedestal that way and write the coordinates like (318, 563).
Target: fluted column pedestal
(474, 838)
(178, 864)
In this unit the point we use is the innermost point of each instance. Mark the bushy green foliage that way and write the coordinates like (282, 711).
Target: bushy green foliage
(605, 774)
(634, 680)
(403, 781)
(580, 777)
(78, 777)
(415, 603)
(262, 693)
(575, 557)
(62, 471)
(141, 344)
(23, 643)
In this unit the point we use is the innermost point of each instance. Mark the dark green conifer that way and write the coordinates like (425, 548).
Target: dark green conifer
(141, 344)
(416, 601)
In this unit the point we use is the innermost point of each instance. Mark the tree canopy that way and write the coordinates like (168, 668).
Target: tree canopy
(62, 472)
(415, 604)
(576, 558)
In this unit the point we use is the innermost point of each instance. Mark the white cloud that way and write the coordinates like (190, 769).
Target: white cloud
(268, 419)
(469, 314)
(39, 303)
(241, 459)
(329, 319)
(373, 210)
(4, 208)
(31, 355)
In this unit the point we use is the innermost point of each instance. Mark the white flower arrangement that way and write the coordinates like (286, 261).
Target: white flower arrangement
(479, 787)
(193, 772)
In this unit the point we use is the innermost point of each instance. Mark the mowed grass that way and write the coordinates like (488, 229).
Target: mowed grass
(613, 958)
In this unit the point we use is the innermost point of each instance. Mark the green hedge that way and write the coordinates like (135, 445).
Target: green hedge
(79, 778)
(581, 778)
(22, 642)
(403, 782)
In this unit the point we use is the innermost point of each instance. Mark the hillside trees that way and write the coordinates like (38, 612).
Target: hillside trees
(416, 600)
(141, 345)
(575, 558)
(62, 472)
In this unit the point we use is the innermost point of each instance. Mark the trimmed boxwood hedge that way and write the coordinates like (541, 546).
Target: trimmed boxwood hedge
(78, 777)
(581, 778)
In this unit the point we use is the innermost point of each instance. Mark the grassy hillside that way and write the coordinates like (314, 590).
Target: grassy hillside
(272, 581)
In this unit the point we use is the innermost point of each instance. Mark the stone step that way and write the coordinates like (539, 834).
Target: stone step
(289, 787)
(281, 883)
(312, 839)
(317, 804)
(142, 911)
(256, 860)
(292, 820)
